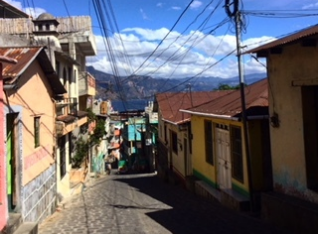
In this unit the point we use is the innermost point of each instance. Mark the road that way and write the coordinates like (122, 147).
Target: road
(142, 203)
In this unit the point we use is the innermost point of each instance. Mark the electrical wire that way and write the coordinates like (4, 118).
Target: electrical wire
(102, 22)
(172, 56)
(171, 29)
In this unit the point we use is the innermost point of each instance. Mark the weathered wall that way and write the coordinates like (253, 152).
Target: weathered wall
(3, 187)
(39, 196)
(287, 142)
(204, 170)
(36, 166)
(34, 96)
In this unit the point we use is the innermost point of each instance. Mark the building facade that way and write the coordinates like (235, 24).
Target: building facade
(292, 75)
(29, 88)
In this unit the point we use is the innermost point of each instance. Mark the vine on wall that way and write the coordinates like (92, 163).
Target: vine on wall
(82, 146)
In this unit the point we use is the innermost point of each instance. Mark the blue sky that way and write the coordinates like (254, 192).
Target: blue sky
(188, 50)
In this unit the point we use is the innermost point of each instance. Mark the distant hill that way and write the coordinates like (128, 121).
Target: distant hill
(144, 87)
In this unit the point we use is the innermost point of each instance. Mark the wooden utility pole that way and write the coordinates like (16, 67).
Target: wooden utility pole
(236, 14)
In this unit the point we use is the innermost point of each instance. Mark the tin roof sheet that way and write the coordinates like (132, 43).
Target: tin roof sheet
(24, 56)
(310, 31)
(256, 99)
(170, 103)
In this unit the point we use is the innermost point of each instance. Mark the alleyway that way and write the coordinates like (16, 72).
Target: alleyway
(127, 204)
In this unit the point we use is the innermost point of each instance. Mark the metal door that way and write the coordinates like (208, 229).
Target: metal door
(223, 159)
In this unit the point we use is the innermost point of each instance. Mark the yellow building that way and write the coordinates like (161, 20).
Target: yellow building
(219, 155)
(174, 132)
(292, 73)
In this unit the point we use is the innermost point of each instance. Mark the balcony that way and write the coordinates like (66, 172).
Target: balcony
(68, 116)
(87, 84)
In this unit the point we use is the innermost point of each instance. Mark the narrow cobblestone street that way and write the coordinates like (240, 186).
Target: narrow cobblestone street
(142, 203)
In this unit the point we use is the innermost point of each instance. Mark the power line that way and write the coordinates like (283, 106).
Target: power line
(174, 25)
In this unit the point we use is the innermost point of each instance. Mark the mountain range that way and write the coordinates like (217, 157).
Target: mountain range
(144, 87)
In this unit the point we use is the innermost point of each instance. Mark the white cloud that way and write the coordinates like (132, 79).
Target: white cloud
(191, 54)
(159, 4)
(195, 4)
(16, 4)
(149, 34)
(34, 12)
(309, 6)
(143, 14)
(176, 8)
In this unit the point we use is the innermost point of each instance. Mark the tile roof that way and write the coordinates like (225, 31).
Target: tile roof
(170, 103)
(256, 99)
(310, 31)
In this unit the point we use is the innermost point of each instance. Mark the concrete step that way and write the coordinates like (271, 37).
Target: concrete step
(27, 228)
(234, 200)
(15, 220)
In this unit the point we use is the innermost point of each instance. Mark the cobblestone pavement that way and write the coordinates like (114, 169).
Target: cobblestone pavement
(128, 204)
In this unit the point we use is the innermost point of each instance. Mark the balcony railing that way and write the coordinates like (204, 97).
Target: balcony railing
(66, 106)
(87, 84)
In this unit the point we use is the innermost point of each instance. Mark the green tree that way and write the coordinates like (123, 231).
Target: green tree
(227, 87)
(83, 146)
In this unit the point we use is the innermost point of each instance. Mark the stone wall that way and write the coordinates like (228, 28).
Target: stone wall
(39, 196)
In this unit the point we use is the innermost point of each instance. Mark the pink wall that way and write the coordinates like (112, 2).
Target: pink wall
(3, 196)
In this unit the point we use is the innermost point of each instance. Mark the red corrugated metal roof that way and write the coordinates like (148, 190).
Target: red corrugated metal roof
(310, 31)
(23, 55)
(4, 59)
(170, 103)
(256, 95)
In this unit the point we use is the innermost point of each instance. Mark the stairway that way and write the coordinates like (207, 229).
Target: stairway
(16, 226)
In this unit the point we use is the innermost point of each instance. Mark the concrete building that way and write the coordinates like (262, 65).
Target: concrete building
(68, 41)
(293, 108)
(174, 132)
(29, 89)
(3, 160)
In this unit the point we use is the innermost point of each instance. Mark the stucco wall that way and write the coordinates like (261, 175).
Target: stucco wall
(200, 166)
(35, 99)
(176, 160)
(287, 142)
(3, 188)
(198, 151)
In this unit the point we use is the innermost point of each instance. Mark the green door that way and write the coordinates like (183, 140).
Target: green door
(11, 188)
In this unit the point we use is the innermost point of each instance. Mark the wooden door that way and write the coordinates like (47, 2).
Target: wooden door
(224, 177)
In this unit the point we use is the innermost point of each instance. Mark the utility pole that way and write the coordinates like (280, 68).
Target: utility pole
(238, 30)
(189, 86)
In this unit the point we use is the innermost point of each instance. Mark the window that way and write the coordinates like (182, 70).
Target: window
(65, 79)
(174, 139)
(36, 131)
(208, 142)
(40, 27)
(61, 145)
(57, 68)
(47, 27)
(236, 153)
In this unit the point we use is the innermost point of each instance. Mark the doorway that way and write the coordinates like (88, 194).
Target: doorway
(11, 147)
(224, 177)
